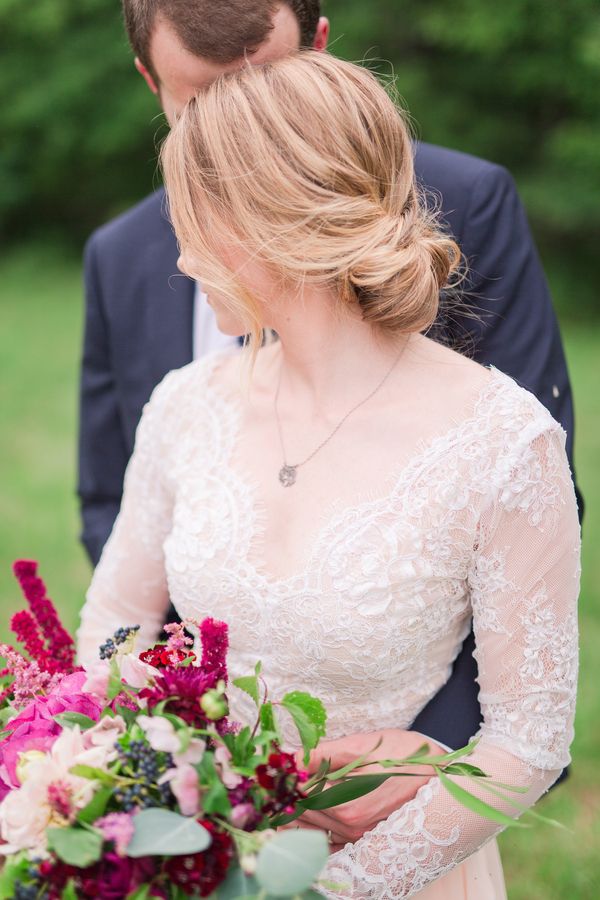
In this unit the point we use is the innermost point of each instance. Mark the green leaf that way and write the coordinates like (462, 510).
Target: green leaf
(93, 774)
(115, 685)
(267, 718)
(96, 807)
(258, 668)
(237, 884)
(248, 684)
(128, 715)
(309, 716)
(14, 869)
(464, 769)
(354, 787)
(215, 799)
(5, 734)
(290, 862)
(142, 893)
(68, 719)
(75, 846)
(242, 748)
(476, 805)
(160, 832)
(359, 761)
(69, 892)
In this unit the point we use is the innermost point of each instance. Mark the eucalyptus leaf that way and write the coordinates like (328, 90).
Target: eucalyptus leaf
(75, 846)
(160, 832)
(69, 719)
(248, 684)
(237, 884)
(290, 862)
(476, 805)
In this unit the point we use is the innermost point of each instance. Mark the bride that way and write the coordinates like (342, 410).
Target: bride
(349, 496)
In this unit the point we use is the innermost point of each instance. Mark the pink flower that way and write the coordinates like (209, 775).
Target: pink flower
(184, 784)
(106, 732)
(117, 827)
(229, 778)
(97, 677)
(35, 727)
(134, 672)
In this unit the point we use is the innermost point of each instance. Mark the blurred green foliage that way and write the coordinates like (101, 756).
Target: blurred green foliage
(517, 82)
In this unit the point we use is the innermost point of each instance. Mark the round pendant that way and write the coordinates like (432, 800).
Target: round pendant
(287, 475)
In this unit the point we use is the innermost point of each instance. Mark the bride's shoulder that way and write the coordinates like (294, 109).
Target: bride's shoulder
(483, 394)
(187, 388)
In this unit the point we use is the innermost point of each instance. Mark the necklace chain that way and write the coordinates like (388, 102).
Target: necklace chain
(287, 473)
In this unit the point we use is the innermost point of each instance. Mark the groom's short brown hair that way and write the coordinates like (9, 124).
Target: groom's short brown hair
(218, 30)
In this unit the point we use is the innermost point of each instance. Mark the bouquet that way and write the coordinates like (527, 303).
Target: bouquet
(129, 780)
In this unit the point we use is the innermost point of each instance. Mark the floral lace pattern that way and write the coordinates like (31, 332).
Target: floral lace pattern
(480, 525)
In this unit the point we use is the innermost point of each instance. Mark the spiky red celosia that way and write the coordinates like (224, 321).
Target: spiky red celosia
(215, 643)
(40, 628)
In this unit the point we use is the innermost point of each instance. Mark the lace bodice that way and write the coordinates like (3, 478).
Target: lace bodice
(480, 525)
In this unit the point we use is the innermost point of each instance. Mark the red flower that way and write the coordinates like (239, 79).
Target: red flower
(281, 778)
(202, 873)
(161, 657)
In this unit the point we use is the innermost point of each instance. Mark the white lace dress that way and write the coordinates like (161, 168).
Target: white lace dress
(481, 525)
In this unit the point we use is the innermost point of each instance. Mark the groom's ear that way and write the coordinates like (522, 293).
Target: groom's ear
(146, 75)
(321, 34)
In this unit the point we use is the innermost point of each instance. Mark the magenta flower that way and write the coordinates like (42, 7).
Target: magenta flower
(215, 643)
(35, 727)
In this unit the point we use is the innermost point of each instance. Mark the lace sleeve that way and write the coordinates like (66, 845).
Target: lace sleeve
(129, 584)
(524, 586)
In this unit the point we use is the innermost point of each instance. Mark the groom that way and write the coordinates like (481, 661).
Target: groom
(141, 322)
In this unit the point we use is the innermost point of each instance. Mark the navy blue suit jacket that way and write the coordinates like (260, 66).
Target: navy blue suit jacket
(139, 326)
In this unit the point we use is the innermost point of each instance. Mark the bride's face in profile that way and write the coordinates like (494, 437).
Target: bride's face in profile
(251, 274)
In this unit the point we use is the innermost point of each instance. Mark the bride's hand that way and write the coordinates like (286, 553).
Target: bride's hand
(349, 821)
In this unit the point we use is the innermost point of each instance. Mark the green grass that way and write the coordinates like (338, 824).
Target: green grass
(40, 328)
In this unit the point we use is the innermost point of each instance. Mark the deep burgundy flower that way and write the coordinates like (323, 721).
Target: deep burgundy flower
(202, 872)
(183, 689)
(281, 778)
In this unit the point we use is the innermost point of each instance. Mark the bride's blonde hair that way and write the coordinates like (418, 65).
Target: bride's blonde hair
(309, 164)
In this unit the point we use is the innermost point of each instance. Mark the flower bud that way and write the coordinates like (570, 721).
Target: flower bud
(248, 863)
(214, 705)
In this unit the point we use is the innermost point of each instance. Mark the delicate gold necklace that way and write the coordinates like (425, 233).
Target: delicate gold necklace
(288, 472)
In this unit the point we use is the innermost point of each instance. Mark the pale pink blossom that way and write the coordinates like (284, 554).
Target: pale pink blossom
(105, 732)
(222, 758)
(26, 812)
(162, 735)
(117, 827)
(134, 672)
(184, 784)
(97, 677)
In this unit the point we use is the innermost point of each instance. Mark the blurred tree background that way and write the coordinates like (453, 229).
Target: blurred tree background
(517, 82)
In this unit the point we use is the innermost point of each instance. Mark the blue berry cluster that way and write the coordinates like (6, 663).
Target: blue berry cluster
(146, 766)
(109, 647)
(34, 889)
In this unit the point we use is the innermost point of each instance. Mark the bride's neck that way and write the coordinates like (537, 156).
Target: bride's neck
(328, 353)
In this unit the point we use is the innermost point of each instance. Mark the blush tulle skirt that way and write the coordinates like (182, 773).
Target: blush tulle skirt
(480, 877)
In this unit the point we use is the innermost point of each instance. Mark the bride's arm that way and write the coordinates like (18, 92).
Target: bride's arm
(524, 587)
(129, 584)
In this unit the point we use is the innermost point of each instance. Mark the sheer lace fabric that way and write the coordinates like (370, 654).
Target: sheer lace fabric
(481, 526)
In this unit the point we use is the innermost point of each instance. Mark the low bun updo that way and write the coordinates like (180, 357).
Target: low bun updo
(308, 162)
